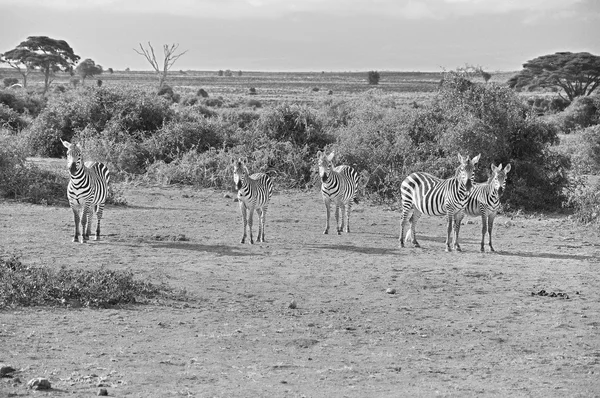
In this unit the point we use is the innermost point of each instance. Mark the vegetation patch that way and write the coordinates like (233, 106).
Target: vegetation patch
(22, 285)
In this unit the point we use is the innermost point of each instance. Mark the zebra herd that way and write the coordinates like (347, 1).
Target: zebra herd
(421, 193)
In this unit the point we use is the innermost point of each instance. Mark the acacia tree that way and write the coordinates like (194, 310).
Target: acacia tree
(43, 53)
(169, 59)
(18, 59)
(577, 74)
(88, 68)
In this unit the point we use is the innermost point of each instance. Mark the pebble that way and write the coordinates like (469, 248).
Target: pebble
(39, 383)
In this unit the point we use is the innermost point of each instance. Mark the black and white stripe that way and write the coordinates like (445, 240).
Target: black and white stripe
(484, 201)
(423, 193)
(339, 185)
(254, 193)
(87, 191)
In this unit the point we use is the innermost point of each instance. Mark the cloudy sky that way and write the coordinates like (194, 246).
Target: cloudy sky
(311, 35)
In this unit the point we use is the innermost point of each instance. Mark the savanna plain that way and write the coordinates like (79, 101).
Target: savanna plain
(306, 314)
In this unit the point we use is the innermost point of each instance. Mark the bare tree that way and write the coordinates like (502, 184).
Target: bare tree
(169, 59)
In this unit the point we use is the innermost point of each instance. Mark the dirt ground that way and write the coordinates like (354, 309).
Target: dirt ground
(459, 324)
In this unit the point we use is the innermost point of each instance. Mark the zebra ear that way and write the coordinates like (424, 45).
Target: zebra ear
(319, 155)
(507, 168)
(66, 144)
(475, 159)
(330, 157)
(461, 159)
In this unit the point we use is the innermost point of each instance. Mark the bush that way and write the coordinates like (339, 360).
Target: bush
(202, 93)
(9, 81)
(132, 111)
(24, 181)
(585, 201)
(373, 77)
(586, 154)
(22, 285)
(471, 118)
(582, 112)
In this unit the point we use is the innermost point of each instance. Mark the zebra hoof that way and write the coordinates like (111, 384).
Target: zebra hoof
(75, 240)
(325, 232)
(96, 237)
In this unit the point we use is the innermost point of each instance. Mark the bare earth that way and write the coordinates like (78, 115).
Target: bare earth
(460, 324)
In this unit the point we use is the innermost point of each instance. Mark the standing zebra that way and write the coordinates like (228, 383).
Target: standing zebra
(87, 191)
(338, 185)
(254, 193)
(423, 193)
(484, 201)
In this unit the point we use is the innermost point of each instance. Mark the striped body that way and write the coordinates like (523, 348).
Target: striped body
(254, 193)
(423, 193)
(339, 186)
(87, 191)
(484, 201)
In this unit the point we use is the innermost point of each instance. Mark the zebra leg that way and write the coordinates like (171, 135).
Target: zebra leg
(449, 234)
(85, 223)
(457, 222)
(260, 236)
(77, 219)
(327, 212)
(244, 212)
(403, 222)
(99, 212)
(490, 227)
(337, 220)
(483, 231)
(250, 217)
(91, 212)
(348, 209)
(414, 218)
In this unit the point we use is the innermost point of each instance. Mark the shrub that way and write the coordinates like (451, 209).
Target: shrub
(22, 285)
(10, 119)
(252, 91)
(582, 112)
(586, 152)
(202, 93)
(584, 198)
(253, 103)
(9, 81)
(24, 181)
(133, 111)
(373, 77)
(297, 124)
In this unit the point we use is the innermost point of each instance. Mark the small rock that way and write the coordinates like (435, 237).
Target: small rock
(102, 392)
(6, 369)
(293, 305)
(39, 383)
(227, 195)
(390, 291)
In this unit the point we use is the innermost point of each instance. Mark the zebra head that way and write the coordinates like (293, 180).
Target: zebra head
(325, 165)
(464, 173)
(499, 177)
(74, 157)
(239, 172)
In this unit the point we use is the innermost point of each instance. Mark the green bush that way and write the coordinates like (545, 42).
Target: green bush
(11, 119)
(584, 198)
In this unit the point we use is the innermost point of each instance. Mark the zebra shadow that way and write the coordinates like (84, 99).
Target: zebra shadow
(223, 250)
(552, 256)
(357, 249)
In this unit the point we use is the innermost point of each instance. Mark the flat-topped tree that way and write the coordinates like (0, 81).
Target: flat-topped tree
(577, 74)
(169, 58)
(41, 53)
(88, 68)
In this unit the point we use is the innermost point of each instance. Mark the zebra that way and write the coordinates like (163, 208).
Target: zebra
(423, 193)
(484, 201)
(87, 191)
(338, 185)
(254, 193)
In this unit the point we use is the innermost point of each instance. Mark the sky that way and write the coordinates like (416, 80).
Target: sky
(310, 35)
